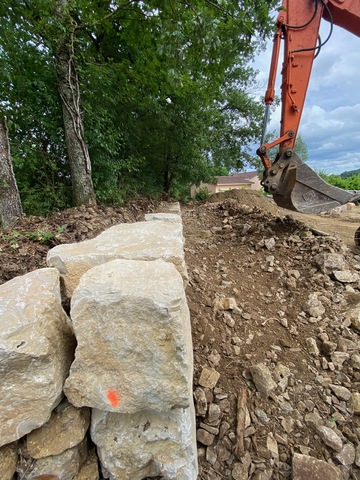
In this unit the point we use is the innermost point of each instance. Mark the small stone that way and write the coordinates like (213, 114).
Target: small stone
(357, 456)
(262, 379)
(330, 438)
(313, 306)
(209, 377)
(341, 392)
(224, 427)
(294, 273)
(313, 419)
(328, 262)
(200, 402)
(338, 358)
(240, 471)
(211, 455)
(328, 347)
(306, 467)
(261, 415)
(354, 316)
(355, 361)
(344, 276)
(284, 322)
(225, 303)
(262, 475)
(237, 350)
(204, 437)
(214, 359)
(355, 403)
(347, 455)
(270, 243)
(272, 445)
(312, 346)
(213, 430)
(287, 424)
(214, 413)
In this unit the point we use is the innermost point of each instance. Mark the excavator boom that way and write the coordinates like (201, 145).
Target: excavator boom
(293, 184)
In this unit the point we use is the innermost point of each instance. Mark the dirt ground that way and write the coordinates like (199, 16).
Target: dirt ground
(254, 272)
(272, 339)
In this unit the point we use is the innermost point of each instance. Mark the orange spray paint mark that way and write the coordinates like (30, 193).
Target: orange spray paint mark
(113, 397)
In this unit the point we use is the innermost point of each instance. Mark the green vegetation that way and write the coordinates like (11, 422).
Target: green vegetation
(41, 236)
(202, 195)
(350, 173)
(347, 183)
(127, 98)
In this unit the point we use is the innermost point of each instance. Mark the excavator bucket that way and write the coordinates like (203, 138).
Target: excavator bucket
(296, 186)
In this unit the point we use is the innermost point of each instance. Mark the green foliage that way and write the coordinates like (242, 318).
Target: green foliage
(41, 236)
(348, 183)
(202, 195)
(350, 173)
(165, 91)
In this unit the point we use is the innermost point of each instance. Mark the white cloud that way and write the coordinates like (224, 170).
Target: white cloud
(330, 124)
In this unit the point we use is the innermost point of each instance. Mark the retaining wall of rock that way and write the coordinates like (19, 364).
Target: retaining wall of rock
(106, 390)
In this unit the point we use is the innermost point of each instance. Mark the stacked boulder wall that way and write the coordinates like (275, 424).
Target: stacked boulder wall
(134, 350)
(36, 350)
(149, 240)
(133, 366)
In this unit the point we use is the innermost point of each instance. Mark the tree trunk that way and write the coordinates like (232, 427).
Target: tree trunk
(69, 90)
(10, 203)
(168, 175)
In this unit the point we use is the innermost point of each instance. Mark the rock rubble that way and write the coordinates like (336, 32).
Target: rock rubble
(275, 314)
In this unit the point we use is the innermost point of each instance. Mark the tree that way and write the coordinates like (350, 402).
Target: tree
(69, 90)
(10, 203)
(154, 92)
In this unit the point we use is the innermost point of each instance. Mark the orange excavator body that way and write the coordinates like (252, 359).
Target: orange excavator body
(293, 184)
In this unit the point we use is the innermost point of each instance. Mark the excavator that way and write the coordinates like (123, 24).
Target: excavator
(292, 183)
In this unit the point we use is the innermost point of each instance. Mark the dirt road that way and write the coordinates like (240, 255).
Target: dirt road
(343, 224)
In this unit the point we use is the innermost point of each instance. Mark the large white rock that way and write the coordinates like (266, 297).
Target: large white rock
(131, 241)
(36, 349)
(146, 444)
(134, 351)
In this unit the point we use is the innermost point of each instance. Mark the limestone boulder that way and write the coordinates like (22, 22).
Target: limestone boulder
(166, 217)
(8, 460)
(36, 349)
(134, 351)
(65, 466)
(146, 444)
(65, 429)
(131, 241)
(90, 469)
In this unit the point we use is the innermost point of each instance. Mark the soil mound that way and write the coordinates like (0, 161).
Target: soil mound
(250, 198)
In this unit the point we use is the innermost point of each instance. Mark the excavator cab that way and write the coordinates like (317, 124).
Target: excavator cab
(292, 183)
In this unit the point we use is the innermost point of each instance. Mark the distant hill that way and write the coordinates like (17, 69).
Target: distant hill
(350, 173)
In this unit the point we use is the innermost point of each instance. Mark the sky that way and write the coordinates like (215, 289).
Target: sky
(330, 124)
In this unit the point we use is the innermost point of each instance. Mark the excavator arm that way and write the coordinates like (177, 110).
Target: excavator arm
(293, 184)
